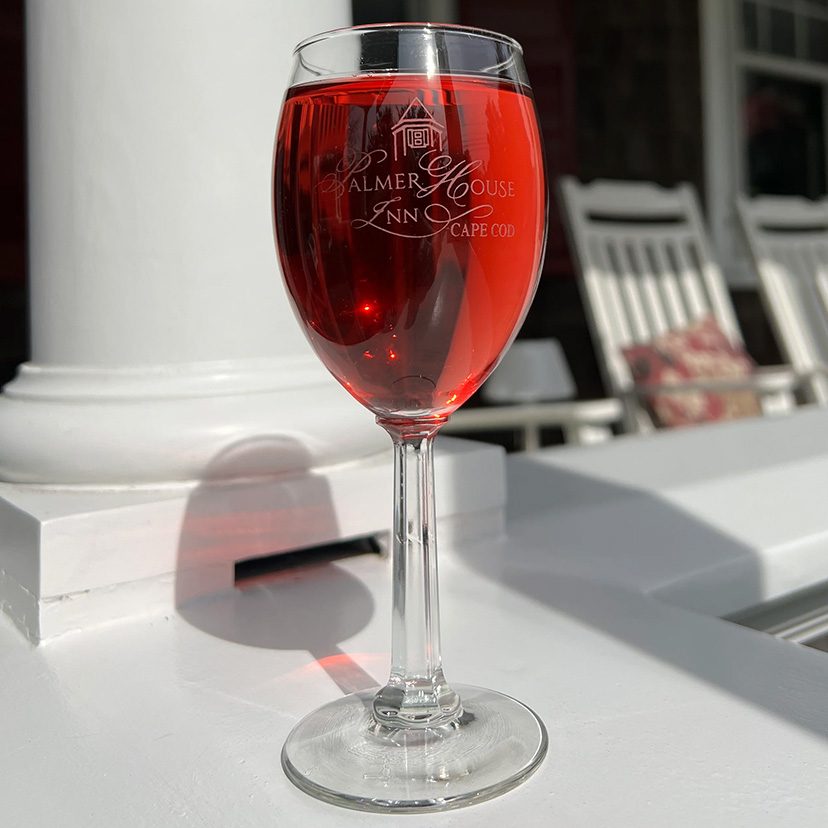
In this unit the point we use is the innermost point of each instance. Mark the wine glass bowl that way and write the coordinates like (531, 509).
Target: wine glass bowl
(410, 212)
(411, 224)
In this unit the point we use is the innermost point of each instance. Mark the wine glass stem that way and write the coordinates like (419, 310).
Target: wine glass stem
(416, 694)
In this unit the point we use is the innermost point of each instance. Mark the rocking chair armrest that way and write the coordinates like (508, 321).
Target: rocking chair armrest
(564, 413)
(766, 380)
(777, 379)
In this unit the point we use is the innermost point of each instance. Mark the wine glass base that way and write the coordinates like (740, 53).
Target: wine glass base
(340, 755)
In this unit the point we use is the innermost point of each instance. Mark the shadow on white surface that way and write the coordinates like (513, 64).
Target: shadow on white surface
(593, 565)
(238, 512)
(640, 536)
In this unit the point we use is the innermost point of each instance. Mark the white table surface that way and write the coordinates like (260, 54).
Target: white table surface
(659, 715)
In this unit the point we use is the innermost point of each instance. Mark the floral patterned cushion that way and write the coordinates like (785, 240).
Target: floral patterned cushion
(699, 351)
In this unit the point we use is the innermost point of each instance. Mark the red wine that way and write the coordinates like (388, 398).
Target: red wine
(410, 221)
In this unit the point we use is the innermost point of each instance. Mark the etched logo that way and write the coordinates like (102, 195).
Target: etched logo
(426, 191)
(416, 132)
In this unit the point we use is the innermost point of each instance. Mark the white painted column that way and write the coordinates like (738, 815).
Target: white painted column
(162, 337)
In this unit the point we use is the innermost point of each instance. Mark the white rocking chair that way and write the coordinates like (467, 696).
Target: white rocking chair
(532, 373)
(645, 269)
(788, 242)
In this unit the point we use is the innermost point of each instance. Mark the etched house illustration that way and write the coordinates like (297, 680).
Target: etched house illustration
(416, 129)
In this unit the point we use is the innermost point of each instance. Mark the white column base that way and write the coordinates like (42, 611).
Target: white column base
(72, 557)
(97, 425)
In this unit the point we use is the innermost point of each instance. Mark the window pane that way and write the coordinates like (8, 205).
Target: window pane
(782, 38)
(818, 40)
(784, 133)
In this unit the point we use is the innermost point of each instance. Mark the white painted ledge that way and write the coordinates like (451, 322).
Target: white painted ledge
(714, 519)
(658, 717)
(73, 557)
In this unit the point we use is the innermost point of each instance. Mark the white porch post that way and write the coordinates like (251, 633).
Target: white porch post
(161, 332)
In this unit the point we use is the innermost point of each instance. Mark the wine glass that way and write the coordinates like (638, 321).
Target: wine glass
(410, 211)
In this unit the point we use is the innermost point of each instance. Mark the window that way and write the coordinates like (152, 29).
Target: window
(765, 65)
(782, 63)
(786, 28)
(783, 135)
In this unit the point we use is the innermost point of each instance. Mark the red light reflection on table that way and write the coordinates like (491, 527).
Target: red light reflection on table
(348, 670)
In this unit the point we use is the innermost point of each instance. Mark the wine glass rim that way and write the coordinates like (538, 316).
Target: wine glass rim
(471, 31)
